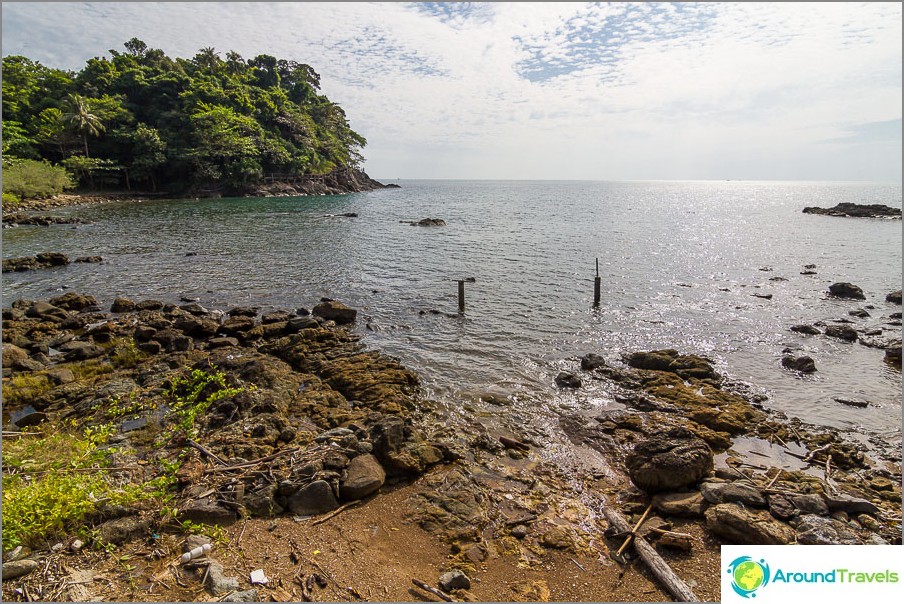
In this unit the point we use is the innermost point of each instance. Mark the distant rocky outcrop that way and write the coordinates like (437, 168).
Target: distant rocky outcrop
(856, 210)
(334, 183)
(33, 263)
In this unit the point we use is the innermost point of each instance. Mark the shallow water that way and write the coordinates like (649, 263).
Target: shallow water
(679, 261)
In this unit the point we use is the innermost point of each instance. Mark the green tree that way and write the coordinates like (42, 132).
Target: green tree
(80, 118)
(31, 179)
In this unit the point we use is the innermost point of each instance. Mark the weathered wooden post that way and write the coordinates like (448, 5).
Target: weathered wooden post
(461, 296)
(596, 285)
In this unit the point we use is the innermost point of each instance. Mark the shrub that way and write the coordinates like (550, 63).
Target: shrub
(31, 179)
(10, 201)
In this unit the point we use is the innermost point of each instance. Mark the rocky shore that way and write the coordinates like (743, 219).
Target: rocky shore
(278, 438)
(856, 210)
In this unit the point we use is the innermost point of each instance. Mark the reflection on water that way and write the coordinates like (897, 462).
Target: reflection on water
(680, 263)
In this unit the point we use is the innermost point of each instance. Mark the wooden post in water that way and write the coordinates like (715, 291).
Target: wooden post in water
(461, 296)
(596, 286)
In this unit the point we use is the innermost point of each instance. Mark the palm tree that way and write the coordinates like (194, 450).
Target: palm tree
(81, 120)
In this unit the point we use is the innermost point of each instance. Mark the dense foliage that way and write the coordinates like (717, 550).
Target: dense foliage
(140, 119)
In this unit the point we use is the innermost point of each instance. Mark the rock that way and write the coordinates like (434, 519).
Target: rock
(203, 512)
(732, 492)
(387, 435)
(73, 301)
(193, 541)
(13, 355)
(894, 297)
(568, 380)
(669, 460)
(195, 309)
(120, 530)
(804, 364)
(454, 580)
(18, 568)
(806, 329)
(428, 222)
(123, 305)
(363, 476)
(243, 311)
(859, 313)
(592, 361)
(558, 537)
(686, 366)
(810, 504)
(683, 505)
(519, 531)
(296, 324)
(81, 351)
(763, 296)
(89, 259)
(217, 583)
(818, 530)
(47, 312)
(843, 332)
(335, 311)
(249, 595)
(781, 507)
(315, 498)
(61, 376)
(856, 210)
(28, 416)
(893, 355)
(851, 402)
(738, 525)
(847, 291)
(222, 342)
(851, 505)
(150, 305)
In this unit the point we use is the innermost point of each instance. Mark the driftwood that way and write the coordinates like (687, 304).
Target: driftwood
(633, 532)
(675, 585)
(681, 541)
(206, 452)
(337, 511)
(436, 592)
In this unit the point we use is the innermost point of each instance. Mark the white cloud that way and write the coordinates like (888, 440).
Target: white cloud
(550, 90)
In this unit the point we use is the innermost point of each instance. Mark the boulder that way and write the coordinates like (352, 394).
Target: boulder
(204, 512)
(592, 361)
(733, 492)
(335, 311)
(819, 530)
(842, 332)
(567, 380)
(806, 329)
(453, 580)
(856, 210)
(123, 305)
(216, 582)
(684, 505)
(73, 301)
(669, 460)
(851, 505)
(847, 291)
(363, 476)
(737, 525)
(804, 364)
(315, 498)
(18, 568)
(46, 312)
(894, 297)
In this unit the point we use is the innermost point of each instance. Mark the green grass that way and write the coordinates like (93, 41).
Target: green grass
(23, 388)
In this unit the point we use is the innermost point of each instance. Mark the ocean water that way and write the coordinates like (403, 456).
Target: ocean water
(680, 263)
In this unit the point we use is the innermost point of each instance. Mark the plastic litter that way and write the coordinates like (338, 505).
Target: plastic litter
(201, 550)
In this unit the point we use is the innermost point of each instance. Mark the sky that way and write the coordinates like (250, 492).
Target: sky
(552, 90)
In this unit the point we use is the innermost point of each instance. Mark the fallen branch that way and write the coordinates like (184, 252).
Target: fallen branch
(436, 592)
(675, 585)
(206, 452)
(252, 463)
(812, 454)
(633, 532)
(336, 512)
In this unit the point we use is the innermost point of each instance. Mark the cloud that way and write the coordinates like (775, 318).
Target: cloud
(549, 89)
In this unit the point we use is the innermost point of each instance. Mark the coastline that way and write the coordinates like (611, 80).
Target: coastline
(301, 398)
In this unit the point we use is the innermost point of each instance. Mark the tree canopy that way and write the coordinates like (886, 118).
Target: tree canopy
(215, 120)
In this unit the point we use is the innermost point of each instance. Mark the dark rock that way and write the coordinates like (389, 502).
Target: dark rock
(364, 476)
(173, 341)
(763, 296)
(193, 541)
(738, 525)
(843, 332)
(89, 259)
(893, 355)
(81, 351)
(123, 305)
(859, 313)
(120, 530)
(851, 505)
(732, 492)
(73, 301)
(61, 376)
(46, 312)
(781, 507)
(203, 512)
(686, 366)
(143, 333)
(847, 291)
(23, 418)
(851, 402)
(243, 311)
(428, 222)
(684, 505)
(315, 498)
(13, 355)
(819, 530)
(18, 568)
(806, 329)
(237, 325)
(804, 364)
(335, 311)
(275, 317)
(151, 348)
(519, 531)
(388, 435)
(150, 305)
(195, 309)
(856, 210)
(894, 297)
(669, 460)
(222, 342)
(810, 504)
(568, 380)
(296, 324)
(453, 580)
(592, 361)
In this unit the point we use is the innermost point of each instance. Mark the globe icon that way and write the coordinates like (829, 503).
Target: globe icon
(748, 575)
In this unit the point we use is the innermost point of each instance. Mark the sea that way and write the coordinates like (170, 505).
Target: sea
(714, 268)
